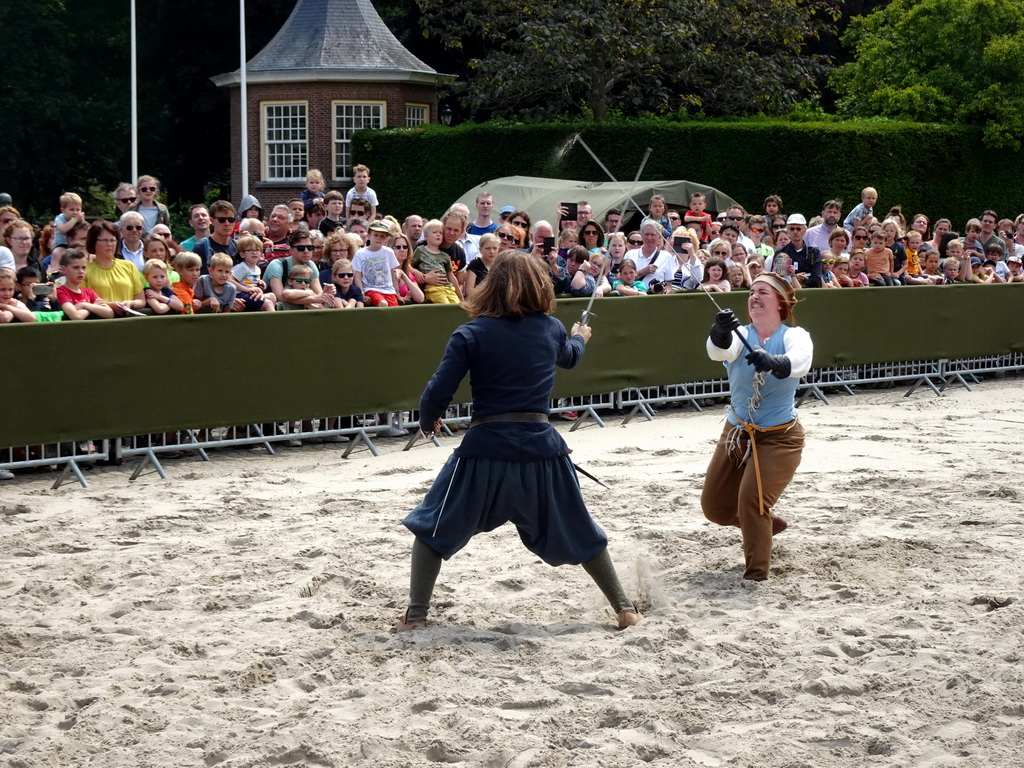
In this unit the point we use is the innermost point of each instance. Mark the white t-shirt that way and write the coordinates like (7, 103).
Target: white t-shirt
(6, 257)
(663, 260)
(374, 268)
(246, 275)
(369, 195)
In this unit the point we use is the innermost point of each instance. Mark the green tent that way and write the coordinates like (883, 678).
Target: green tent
(540, 197)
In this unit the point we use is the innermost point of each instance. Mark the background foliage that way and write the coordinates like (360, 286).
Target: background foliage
(939, 170)
(958, 61)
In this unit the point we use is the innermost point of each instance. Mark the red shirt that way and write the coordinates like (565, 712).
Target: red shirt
(67, 296)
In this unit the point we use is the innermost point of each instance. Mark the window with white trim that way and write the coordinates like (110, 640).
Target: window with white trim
(416, 114)
(349, 117)
(285, 138)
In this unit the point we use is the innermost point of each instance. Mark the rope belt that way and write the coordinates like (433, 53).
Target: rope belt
(514, 416)
(751, 429)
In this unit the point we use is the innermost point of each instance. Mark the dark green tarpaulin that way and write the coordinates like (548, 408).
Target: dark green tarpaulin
(141, 375)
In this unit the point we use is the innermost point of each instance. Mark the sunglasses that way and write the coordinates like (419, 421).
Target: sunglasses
(133, 227)
(304, 247)
(758, 230)
(126, 199)
(828, 261)
(777, 227)
(635, 242)
(344, 274)
(860, 237)
(400, 247)
(226, 219)
(520, 224)
(734, 218)
(302, 280)
(506, 236)
(147, 189)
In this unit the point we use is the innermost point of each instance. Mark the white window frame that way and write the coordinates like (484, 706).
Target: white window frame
(343, 143)
(416, 105)
(266, 158)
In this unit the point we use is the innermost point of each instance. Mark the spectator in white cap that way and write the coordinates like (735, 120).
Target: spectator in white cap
(806, 258)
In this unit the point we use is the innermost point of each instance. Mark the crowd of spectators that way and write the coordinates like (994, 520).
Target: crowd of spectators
(329, 250)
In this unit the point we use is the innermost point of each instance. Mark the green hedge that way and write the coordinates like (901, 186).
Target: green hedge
(936, 169)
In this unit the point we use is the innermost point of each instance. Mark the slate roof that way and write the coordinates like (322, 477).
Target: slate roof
(333, 40)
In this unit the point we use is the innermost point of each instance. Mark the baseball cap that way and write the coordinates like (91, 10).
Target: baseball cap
(975, 261)
(379, 226)
(1015, 258)
(508, 209)
(796, 218)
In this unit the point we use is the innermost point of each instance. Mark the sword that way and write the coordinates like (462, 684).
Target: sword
(587, 314)
(584, 472)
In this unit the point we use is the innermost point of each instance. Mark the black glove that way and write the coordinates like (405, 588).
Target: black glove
(721, 332)
(779, 365)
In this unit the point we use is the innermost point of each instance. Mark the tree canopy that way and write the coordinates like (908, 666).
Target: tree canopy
(532, 59)
(939, 61)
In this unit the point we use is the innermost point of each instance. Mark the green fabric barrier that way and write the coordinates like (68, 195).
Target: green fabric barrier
(141, 375)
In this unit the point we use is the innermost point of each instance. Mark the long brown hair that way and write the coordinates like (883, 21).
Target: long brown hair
(517, 284)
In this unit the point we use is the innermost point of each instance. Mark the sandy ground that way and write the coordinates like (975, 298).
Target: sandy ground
(239, 614)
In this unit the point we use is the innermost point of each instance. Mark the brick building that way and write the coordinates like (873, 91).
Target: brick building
(333, 68)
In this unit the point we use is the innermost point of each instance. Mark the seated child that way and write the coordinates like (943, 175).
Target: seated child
(1015, 265)
(188, 266)
(214, 290)
(314, 186)
(714, 275)
(346, 294)
(857, 263)
(567, 239)
(697, 218)
(299, 293)
(429, 258)
(879, 260)
(70, 215)
(841, 271)
(245, 276)
(78, 302)
(27, 280)
(627, 284)
(12, 310)
(159, 295)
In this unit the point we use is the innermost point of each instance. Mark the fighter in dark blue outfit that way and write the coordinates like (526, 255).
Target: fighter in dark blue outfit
(512, 464)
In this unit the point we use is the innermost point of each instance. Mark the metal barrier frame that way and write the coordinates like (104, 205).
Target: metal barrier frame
(71, 461)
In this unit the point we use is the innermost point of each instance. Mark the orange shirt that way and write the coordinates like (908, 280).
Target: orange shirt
(187, 296)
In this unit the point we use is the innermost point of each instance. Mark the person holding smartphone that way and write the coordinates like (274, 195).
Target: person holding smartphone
(689, 271)
(652, 262)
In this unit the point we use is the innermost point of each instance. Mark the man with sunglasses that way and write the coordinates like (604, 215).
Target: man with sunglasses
(125, 197)
(806, 258)
(831, 215)
(652, 262)
(737, 216)
(222, 214)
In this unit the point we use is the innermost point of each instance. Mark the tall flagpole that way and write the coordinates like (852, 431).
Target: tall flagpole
(135, 104)
(243, 104)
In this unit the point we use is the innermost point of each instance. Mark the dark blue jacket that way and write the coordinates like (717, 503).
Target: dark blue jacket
(511, 364)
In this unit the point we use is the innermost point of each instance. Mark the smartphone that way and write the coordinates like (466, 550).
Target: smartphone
(42, 289)
(678, 241)
(548, 244)
(572, 210)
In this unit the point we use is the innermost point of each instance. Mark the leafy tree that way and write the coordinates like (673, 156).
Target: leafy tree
(958, 61)
(538, 59)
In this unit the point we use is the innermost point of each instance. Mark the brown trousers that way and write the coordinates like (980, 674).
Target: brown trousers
(730, 489)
